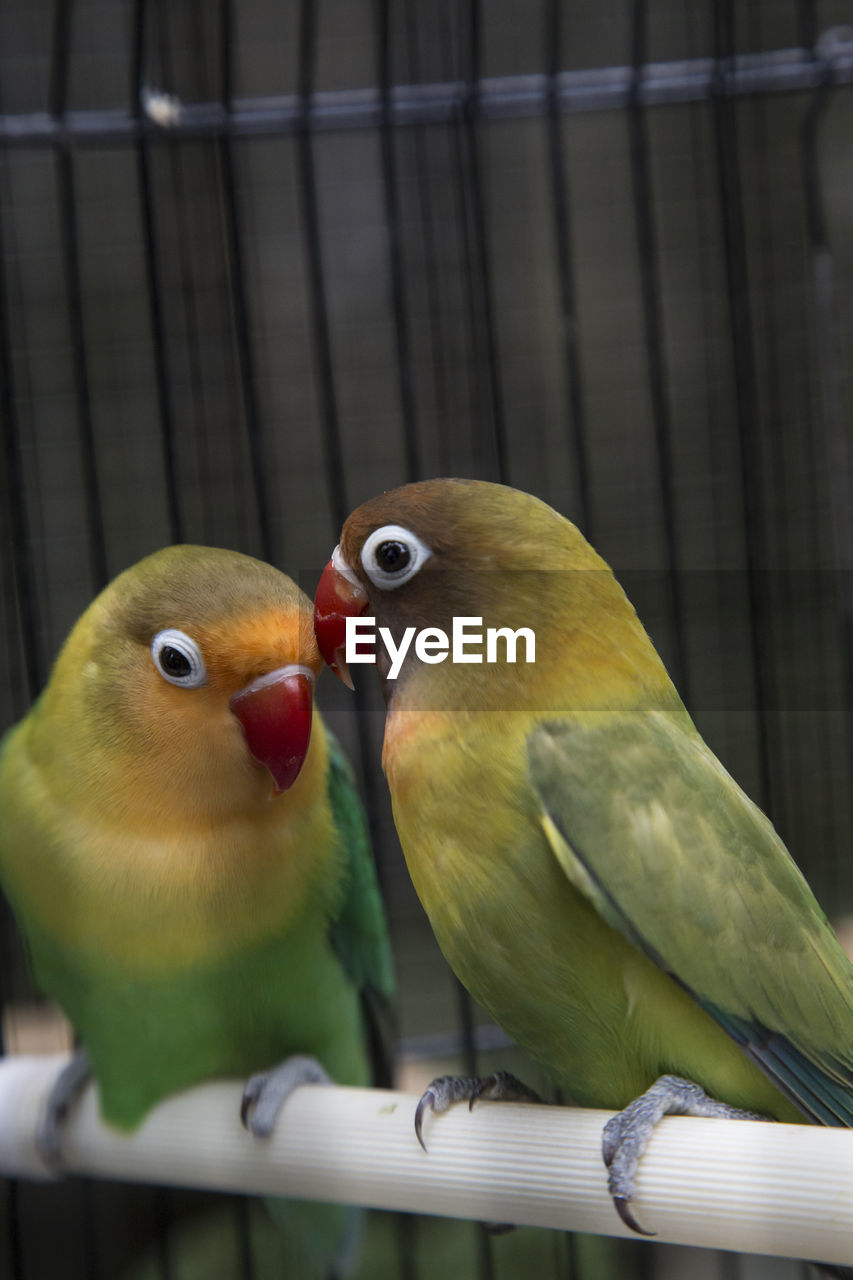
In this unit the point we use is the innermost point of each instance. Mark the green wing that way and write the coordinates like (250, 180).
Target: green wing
(647, 824)
(359, 932)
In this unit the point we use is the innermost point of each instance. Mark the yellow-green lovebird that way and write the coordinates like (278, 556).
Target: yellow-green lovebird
(592, 873)
(184, 849)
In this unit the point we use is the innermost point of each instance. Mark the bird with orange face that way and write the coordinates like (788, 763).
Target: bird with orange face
(184, 850)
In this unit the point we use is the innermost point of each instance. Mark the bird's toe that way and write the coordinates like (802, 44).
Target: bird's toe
(267, 1091)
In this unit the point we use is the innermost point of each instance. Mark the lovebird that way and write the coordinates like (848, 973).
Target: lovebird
(593, 875)
(184, 850)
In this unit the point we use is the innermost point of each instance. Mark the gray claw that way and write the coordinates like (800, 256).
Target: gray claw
(267, 1091)
(444, 1091)
(67, 1087)
(626, 1135)
(426, 1103)
(502, 1086)
(620, 1204)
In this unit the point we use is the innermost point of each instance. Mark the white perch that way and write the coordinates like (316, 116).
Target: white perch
(775, 1189)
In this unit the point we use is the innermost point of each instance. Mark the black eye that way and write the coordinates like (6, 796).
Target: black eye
(173, 662)
(178, 658)
(392, 556)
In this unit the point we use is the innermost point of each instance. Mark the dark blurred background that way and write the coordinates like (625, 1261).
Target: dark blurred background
(260, 261)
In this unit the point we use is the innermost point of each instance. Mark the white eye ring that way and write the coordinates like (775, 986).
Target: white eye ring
(388, 579)
(168, 649)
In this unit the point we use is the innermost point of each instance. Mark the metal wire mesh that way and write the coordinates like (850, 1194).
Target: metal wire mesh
(258, 262)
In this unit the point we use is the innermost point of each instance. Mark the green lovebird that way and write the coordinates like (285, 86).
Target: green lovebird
(184, 850)
(592, 873)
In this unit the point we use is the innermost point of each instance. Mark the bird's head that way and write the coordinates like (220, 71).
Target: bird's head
(430, 552)
(428, 555)
(202, 662)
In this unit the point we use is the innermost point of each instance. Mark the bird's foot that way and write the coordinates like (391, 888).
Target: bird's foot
(67, 1087)
(627, 1133)
(444, 1091)
(266, 1093)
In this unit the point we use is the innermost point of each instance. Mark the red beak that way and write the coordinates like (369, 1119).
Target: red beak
(337, 598)
(275, 712)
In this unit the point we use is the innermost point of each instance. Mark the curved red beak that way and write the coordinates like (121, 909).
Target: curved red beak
(275, 712)
(339, 596)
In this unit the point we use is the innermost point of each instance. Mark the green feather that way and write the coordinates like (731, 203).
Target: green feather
(648, 825)
(358, 933)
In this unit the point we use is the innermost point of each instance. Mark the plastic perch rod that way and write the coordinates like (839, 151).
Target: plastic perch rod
(742, 1185)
